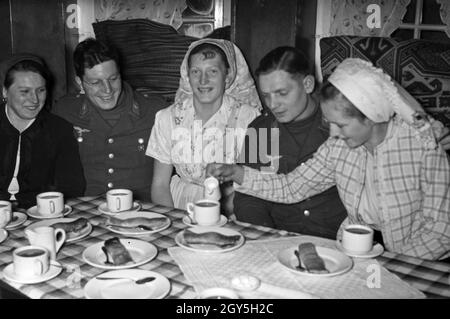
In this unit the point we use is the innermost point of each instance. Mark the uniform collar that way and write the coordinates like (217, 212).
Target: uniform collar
(126, 98)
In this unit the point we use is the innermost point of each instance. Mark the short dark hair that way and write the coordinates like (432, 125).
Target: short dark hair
(329, 93)
(285, 58)
(209, 51)
(91, 52)
(27, 66)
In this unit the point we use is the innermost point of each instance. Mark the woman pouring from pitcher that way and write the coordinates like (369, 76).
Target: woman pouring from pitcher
(383, 157)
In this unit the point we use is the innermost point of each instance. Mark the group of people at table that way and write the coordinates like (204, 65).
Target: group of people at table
(358, 150)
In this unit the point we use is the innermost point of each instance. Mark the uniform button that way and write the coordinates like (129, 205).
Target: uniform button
(306, 212)
(110, 185)
(111, 170)
(111, 155)
(141, 141)
(110, 140)
(80, 139)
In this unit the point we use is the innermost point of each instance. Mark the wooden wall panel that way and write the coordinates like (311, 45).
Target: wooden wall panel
(38, 27)
(259, 26)
(5, 30)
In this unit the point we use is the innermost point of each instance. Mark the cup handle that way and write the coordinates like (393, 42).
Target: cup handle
(39, 271)
(62, 238)
(190, 210)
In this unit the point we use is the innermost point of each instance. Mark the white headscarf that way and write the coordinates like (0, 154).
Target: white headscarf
(378, 96)
(241, 87)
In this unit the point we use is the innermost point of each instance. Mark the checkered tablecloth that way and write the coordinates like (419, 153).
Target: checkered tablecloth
(432, 278)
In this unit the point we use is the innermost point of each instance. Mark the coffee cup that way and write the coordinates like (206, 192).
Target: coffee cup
(5, 213)
(205, 212)
(30, 261)
(357, 238)
(50, 203)
(119, 200)
(212, 188)
(218, 293)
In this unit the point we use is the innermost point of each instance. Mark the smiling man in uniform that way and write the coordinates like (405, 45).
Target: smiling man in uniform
(111, 121)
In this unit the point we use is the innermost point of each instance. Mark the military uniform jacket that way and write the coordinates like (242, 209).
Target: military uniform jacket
(114, 156)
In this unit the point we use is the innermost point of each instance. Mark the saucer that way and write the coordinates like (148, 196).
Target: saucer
(33, 212)
(18, 219)
(3, 235)
(376, 251)
(103, 208)
(53, 271)
(223, 220)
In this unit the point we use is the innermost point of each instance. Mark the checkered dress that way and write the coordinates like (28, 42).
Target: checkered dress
(412, 186)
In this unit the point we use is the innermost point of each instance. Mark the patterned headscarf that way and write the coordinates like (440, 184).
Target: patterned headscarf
(378, 96)
(241, 87)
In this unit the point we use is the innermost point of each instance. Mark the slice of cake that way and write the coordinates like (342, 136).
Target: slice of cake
(210, 238)
(116, 253)
(311, 261)
(147, 223)
(74, 227)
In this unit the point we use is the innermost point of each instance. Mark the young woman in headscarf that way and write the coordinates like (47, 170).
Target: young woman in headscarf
(214, 104)
(383, 157)
(38, 150)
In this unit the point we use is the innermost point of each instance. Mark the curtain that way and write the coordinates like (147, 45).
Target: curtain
(349, 17)
(445, 14)
(162, 11)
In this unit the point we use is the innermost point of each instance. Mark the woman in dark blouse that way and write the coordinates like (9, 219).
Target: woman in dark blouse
(38, 151)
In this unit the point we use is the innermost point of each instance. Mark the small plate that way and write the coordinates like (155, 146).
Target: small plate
(103, 208)
(127, 289)
(137, 231)
(377, 250)
(17, 220)
(336, 262)
(141, 252)
(71, 237)
(3, 235)
(54, 270)
(223, 220)
(209, 248)
(33, 212)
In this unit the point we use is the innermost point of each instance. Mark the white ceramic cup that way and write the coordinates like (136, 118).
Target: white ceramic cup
(205, 212)
(5, 213)
(47, 237)
(212, 188)
(30, 261)
(357, 238)
(218, 293)
(50, 203)
(119, 200)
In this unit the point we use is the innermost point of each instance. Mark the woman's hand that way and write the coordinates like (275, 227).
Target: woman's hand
(226, 172)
